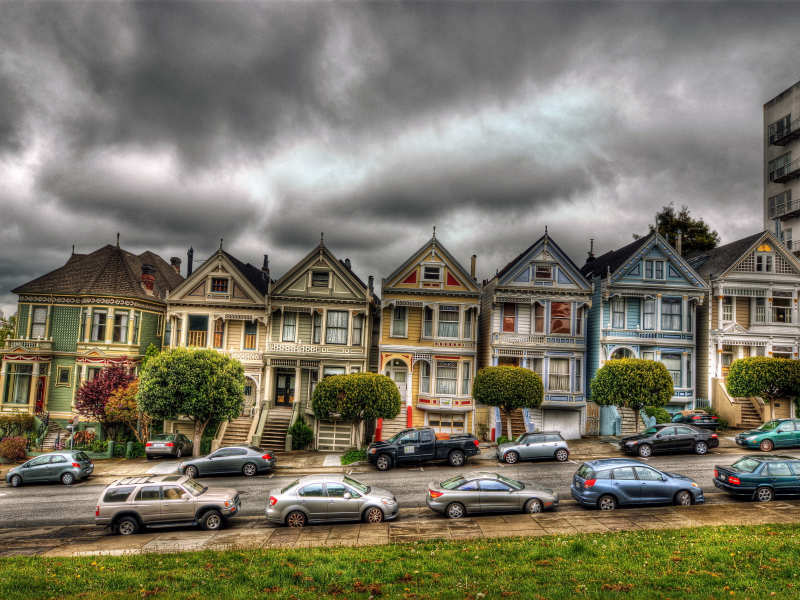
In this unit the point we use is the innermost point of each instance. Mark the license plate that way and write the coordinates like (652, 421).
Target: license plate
(158, 445)
(723, 477)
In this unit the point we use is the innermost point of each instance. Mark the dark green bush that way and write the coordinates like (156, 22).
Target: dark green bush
(661, 415)
(502, 440)
(99, 446)
(137, 450)
(354, 456)
(12, 449)
(723, 424)
(302, 434)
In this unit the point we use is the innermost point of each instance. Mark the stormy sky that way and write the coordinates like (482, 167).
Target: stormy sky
(178, 124)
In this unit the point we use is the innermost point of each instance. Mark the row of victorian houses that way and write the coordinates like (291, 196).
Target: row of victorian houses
(433, 328)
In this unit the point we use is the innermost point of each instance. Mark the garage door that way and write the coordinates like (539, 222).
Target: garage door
(186, 429)
(567, 422)
(334, 435)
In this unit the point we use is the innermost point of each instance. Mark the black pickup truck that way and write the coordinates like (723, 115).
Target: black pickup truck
(418, 445)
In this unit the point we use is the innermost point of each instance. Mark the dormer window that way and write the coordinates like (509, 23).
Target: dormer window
(219, 286)
(432, 273)
(654, 269)
(320, 279)
(764, 259)
(543, 272)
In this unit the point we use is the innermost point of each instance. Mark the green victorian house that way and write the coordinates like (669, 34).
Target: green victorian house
(98, 309)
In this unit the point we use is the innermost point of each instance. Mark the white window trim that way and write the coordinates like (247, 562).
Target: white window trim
(549, 373)
(210, 284)
(460, 316)
(283, 316)
(459, 379)
(440, 265)
(405, 327)
(319, 287)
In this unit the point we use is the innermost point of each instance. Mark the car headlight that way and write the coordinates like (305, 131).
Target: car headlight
(751, 438)
(388, 501)
(373, 450)
(695, 485)
(629, 443)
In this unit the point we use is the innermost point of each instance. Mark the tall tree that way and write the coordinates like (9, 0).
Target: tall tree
(122, 407)
(696, 233)
(198, 384)
(356, 397)
(767, 377)
(632, 383)
(7, 327)
(508, 388)
(92, 396)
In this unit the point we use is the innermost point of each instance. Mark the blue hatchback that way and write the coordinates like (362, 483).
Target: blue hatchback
(612, 482)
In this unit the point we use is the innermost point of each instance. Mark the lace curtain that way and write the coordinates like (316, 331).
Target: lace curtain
(446, 380)
(336, 330)
(448, 323)
(559, 374)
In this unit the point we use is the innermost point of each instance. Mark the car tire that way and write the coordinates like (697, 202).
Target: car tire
(683, 498)
(764, 494)
(645, 451)
(68, 479)
(296, 519)
(534, 506)
(190, 471)
(701, 448)
(127, 526)
(178, 453)
(455, 511)
(766, 446)
(373, 515)
(249, 470)
(607, 503)
(383, 462)
(211, 521)
(562, 455)
(511, 458)
(16, 481)
(456, 458)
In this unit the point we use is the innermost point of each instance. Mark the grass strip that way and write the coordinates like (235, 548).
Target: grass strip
(698, 563)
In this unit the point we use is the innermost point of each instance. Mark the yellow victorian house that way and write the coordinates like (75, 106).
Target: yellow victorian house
(428, 340)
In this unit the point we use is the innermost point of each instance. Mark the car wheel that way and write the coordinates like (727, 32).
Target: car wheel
(766, 446)
(249, 470)
(562, 455)
(373, 515)
(211, 521)
(607, 503)
(384, 462)
(296, 519)
(700, 448)
(190, 472)
(455, 511)
(178, 453)
(456, 458)
(765, 494)
(16, 481)
(645, 450)
(127, 526)
(533, 507)
(683, 498)
(511, 457)
(68, 479)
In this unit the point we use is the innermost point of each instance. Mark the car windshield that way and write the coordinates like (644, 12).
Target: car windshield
(520, 438)
(512, 482)
(747, 465)
(677, 417)
(453, 482)
(769, 426)
(651, 431)
(163, 437)
(290, 486)
(193, 487)
(360, 487)
(394, 438)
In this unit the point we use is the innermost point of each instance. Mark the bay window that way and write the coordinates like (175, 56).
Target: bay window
(289, 326)
(336, 327)
(465, 370)
(447, 378)
(120, 333)
(509, 318)
(424, 377)
(536, 366)
(317, 325)
(673, 364)
(560, 315)
(618, 313)
(579, 321)
(39, 323)
(399, 321)
(19, 383)
(427, 322)
(578, 376)
(559, 374)
(358, 329)
(219, 333)
(781, 310)
(99, 326)
(250, 328)
(448, 321)
(671, 314)
(649, 318)
(135, 333)
(538, 318)
(468, 324)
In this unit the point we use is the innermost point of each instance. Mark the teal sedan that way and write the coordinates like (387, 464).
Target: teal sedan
(780, 433)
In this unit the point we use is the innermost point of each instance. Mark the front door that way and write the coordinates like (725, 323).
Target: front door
(338, 506)
(398, 372)
(173, 506)
(651, 488)
(497, 496)
(284, 391)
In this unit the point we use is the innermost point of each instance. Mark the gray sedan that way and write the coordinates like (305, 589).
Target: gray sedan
(168, 444)
(66, 467)
(537, 444)
(320, 498)
(247, 460)
(488, 492)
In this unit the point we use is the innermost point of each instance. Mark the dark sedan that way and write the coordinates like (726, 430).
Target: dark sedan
(698, 418)
(760, 477)
(168, 444)
(245, 460)
(666, 437)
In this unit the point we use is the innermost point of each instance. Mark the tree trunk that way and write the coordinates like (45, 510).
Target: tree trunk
(508, 425)
(199, 428)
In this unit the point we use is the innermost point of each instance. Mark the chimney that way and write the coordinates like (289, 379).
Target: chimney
(265, 268)
(679, 244)
(591, 251)
(148, 278)
(472, 267)
(347, 263)
(190, 255)
(371, 284)
(176, 264)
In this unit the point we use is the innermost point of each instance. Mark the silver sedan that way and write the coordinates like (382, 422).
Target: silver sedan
(318, 498)
(488, 492)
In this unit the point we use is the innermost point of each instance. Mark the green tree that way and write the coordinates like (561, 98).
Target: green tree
(123, 407)
(767, 377)
(198, 384)
(152, 350)
(356, 397)
(7, 327)
(632, 383)
(508, 388)
(697, 234)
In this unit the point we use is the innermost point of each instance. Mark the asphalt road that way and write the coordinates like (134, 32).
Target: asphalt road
(53, 504)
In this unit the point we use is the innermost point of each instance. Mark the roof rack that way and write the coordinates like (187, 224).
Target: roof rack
(135, 480)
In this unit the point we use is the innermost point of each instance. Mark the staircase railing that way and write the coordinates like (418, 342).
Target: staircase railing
(259, 431)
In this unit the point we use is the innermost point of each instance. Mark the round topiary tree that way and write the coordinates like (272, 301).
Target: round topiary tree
(767, 377)
(632, 383)
(508, 388)
(356, 397)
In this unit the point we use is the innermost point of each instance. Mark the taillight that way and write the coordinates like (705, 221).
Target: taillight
(714, 416)
(696, 418)
(734, 480)
(170, 444)
(97, 511)
(435, 494)
(713, 435)
(147, 445)
(272, 500)
(476, 442)
(716, 473)
(267, 457)
(589, 482)
(76, 465)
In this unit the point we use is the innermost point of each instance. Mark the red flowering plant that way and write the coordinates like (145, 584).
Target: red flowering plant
(92, 396)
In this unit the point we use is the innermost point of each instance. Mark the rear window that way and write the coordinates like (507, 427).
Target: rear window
(119, 494)
(453, 482)
(747, 465)
(290, 486)
(80, 456)
(585, 472)
(163, 437)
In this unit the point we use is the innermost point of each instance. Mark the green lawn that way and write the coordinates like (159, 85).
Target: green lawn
(725, 562)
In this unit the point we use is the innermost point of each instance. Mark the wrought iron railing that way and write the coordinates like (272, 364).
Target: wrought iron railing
(785, 134)
(786, 172)
(784, 208)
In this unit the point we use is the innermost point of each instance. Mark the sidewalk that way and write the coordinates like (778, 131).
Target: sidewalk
(255, 532)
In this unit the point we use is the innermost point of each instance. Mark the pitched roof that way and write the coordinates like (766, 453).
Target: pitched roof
(258, 278)
(720, 259)
(439, 247)
(109, 271)
(613, 259)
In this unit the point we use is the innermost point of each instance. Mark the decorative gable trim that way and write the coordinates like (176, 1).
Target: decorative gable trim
(662, 249)
(746, 263)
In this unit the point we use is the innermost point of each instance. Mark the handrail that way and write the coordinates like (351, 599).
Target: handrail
(259, 431)
(784, 171)
(288, 446)
(784, 131)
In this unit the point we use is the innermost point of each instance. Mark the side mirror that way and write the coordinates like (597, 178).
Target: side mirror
(347, 496)
(658, 435)
(186, 497)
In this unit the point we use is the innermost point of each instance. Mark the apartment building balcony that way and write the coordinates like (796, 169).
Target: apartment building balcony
(639, 335)
(787, 134)
(786, 172)
(524, 339)
(784, 211)
(325, 350)
(34, 346)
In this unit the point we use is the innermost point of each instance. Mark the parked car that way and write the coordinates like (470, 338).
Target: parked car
(133, 503)
(539, 444)
(244, 459)
(483, 492)
(66, 467)
(611, 482)
(780, 433)
(696, 417)
(319, 498)
(760, 477)
(666, 437)
(419, 444)
(168, 444)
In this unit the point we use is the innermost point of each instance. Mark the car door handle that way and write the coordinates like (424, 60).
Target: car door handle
(616, 483)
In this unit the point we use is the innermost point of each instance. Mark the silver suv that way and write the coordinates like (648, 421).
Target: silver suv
(130, 504)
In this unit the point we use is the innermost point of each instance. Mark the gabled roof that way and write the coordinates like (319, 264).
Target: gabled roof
(563, 260)
(109, 271)
(467, 279)
(254, 275)
(612, 260)
(722, 258)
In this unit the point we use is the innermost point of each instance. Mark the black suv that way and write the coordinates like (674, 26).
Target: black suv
(667, 437)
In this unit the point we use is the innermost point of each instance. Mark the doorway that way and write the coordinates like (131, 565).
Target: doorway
(397, 371)
(284, 388)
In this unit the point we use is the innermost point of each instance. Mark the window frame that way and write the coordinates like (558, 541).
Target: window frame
(319, 274)
(616, 300)
(424, 377)
(504, 318)
(772, 166)
(727, 309)
(60, 369)
(568, 318)
(284, 326)
(563, 376)
(671, 301)
(98, 327)
(438, 276)
(448, 309)
(345, 328)
(220, 285)
(34, 323)
(360, 319)
(395, 320)
(446, 364)
(118, 329)
(218, 332)
(547, 272)
(245, 335)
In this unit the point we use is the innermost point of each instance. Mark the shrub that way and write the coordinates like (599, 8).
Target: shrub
(661, 415)
(356, 397)
(84, 438)
(632, 383)
(354, 456)
(723, 424)
(16, 424)
(99, 446)
(483, 431)
(302, 434)
(137, 451)
(12, 449)
(502, 440)
(205, 446)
